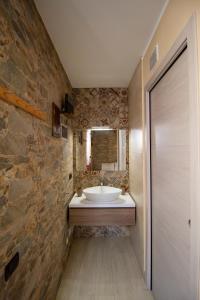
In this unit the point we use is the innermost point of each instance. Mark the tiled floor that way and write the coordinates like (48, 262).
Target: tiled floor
(102, 269)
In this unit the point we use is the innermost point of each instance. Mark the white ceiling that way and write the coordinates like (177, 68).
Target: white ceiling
(100, 42)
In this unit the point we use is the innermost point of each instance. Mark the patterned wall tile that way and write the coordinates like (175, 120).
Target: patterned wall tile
(101, 231)
(101, 107)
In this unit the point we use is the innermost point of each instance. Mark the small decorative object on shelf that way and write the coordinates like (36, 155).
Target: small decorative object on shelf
(79, 191)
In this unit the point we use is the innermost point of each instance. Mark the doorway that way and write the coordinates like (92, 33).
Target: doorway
(170, 180)
(173, 172)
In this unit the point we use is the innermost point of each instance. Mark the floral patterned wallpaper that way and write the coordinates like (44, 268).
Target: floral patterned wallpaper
(101, 107)
(101, 231)
(94, 178)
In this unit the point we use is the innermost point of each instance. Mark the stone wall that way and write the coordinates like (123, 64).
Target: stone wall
(34, 166)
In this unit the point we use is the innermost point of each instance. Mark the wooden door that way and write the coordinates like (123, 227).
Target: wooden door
(170, 179)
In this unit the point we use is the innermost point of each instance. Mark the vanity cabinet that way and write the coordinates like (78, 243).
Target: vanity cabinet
(102, 216)
(81, 212)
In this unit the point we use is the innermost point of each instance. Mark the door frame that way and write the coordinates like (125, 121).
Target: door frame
(187, 37)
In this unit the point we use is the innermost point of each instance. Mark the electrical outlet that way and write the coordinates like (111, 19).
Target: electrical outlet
(11, 266)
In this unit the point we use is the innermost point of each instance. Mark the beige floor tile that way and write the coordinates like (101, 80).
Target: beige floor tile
(102, 269)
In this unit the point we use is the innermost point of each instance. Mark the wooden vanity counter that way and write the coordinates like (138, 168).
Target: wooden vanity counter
(84, 212)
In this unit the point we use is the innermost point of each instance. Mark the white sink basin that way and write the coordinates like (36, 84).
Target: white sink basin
(102, 193)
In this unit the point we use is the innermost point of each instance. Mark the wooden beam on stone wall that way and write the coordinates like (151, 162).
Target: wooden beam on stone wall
(13, 99)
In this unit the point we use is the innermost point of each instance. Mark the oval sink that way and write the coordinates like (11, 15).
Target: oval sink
(102, 193)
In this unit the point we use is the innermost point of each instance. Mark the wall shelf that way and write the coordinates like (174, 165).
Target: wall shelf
(11, 98)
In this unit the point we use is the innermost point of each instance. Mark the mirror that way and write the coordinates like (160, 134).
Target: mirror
(101, 148)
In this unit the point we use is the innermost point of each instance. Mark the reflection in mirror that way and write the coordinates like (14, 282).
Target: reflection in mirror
(101, 148)
(104, 150)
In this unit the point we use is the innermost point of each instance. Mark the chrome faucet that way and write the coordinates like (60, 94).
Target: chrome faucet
(101, 182)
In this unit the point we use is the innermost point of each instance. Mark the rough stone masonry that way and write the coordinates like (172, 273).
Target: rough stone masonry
(34, 166)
